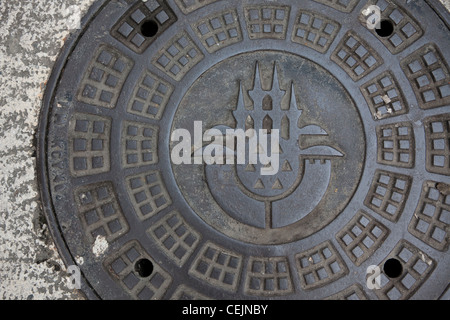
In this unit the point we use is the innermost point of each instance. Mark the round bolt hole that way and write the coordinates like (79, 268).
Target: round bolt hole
(149, 28)
(386, 28)
(393, 268)
(144, 268)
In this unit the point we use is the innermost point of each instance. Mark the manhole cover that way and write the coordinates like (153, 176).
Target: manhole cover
(252, 149)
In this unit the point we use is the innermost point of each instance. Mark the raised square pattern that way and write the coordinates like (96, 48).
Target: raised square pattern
(122, 268)
(341, 5)
(89, 144)
(384, 97)
(315, 31)
(129, 28)
(429, 76)
(217, 266)
(139, 144)
(406, 29)
(104, 78)
(416, 268)
(388, 194)
(396, 145)
(431, 220)
(356, 57)
(268, 276)
(437, 133)
(188, 6)
(267, 21)
(178, 56)
(319, 266)
(148, 194)
(219, 30)
(175, 237)
(361, 237)
(100, 212)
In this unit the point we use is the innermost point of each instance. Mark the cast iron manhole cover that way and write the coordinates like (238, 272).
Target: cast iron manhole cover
(356, 185)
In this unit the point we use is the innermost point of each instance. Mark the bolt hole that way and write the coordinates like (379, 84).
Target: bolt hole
(149, 28)
(144, 268)
(386, 28)
(393, 268)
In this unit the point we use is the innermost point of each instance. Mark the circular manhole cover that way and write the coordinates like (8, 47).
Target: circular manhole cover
(252, 149)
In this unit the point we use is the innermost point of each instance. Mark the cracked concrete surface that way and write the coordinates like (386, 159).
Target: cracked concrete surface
(31, 35)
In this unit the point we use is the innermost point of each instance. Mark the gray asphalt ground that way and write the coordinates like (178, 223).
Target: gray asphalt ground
(31, 35)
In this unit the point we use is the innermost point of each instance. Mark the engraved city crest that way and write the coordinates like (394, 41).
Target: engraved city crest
(296, 144)
(259, 152)
(305, 153)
